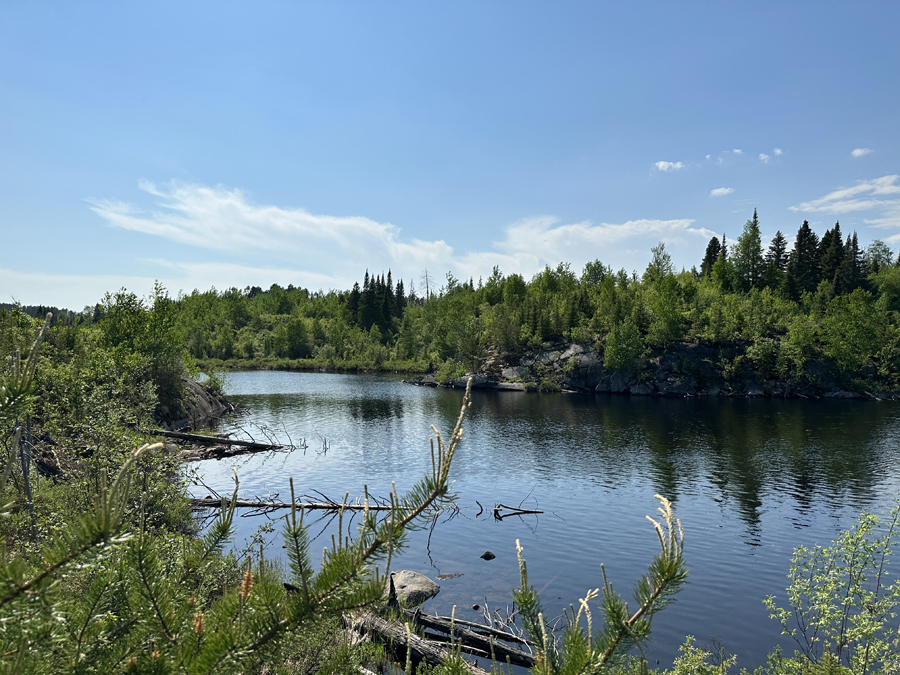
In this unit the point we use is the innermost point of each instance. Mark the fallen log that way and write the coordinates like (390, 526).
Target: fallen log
(210, 502)
(405, 641)
(471, 638)
(212, 440)
(195, 454)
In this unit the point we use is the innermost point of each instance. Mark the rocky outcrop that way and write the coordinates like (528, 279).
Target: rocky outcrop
(685, 369)
(198, 406)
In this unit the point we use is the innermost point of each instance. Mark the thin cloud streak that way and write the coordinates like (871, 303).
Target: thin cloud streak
(859, 197)
(860, 152)
(321, 251)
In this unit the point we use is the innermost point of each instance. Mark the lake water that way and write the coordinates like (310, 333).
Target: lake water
(750, 480)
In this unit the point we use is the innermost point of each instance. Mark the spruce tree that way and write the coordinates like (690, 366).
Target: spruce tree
(776, 259)
(777, 254)
(803, 272)
(747, 257)
(713, 248)
(353, 302)
(852, 273)
(831, 253)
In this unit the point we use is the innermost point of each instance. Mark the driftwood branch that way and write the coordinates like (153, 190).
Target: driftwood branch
(512, 511)
(403, 640)
(482, 638)
(213, 440)
(213, 503)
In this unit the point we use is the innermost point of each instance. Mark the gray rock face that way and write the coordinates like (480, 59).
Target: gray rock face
(620, 382)
(642, 389)
(843, 394)
(199, 405)
(479, 381)
(413, 588)
(512, 373)
(512, 386)
(684, 369)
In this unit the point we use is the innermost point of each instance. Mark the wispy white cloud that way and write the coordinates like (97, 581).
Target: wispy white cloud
(848, 199)
(776, 151)
(709, 157)
(292, 245)
(864, 196)
(669, 166)
(721, 192)
(738, 152)
(764, 158)
(860, 152)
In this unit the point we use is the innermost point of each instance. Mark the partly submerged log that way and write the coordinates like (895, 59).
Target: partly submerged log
(213, 440)
(405, 641)
(483, 638)
(210, 502)
(194, 453)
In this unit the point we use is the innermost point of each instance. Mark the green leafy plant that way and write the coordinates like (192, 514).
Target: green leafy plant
(584, 649)
(842, 599)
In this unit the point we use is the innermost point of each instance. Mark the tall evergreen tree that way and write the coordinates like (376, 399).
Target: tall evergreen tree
(776, 259)
(399, 300)
(803, 272)
(713, 248)
(831, 253)
(852, 273)
(747, 257)
(353, 302)
(777, 255)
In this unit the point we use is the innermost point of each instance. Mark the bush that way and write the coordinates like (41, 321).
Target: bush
(843, 599)
(623, 346)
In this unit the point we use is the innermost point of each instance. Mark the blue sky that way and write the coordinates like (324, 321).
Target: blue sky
(232, 144)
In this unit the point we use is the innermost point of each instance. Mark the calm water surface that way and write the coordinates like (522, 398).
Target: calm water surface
(750, 479)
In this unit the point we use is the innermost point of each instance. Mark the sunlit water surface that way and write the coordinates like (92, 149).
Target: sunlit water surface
(750, 480)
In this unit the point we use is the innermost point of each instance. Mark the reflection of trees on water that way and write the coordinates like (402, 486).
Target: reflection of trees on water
(748, 454)
(368, 409)
(805, 452)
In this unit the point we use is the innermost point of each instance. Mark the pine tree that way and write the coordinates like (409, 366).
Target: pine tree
(399, 300)
(831, 253)
(777, 253)
(713, 248)
(747, 256)
(776, 259)
(852, 273)
(803, 272)
(353, 303)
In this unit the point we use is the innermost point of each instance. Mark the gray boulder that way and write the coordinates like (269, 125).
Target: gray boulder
(413, 588)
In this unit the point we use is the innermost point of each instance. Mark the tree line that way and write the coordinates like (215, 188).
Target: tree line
(822, 298)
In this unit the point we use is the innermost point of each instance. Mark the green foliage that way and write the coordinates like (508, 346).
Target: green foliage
(449, 371)
(623, 346)
(842, 600)
(854, 329)
(583, 647)
(696, 661)
(749, 265)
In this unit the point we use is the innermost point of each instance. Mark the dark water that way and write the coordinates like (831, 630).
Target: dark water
(750, 479)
